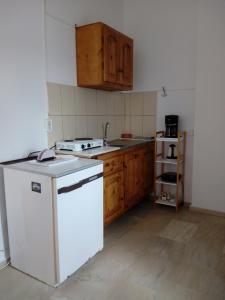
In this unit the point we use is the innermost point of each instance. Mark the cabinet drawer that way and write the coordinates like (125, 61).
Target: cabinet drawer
(113, 164)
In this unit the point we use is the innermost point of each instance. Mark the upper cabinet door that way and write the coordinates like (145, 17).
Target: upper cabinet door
(104, 58)
(126, 61)
(111, 55)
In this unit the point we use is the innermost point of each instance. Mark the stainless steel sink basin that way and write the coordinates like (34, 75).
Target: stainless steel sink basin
(116, 145)
(121, 143)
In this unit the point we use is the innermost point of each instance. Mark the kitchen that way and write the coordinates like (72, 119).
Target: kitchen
(174, 43)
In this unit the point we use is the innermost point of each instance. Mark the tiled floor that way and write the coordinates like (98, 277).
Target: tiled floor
(149, 254)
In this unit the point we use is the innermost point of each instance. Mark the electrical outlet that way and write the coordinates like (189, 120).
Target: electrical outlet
(49, 126)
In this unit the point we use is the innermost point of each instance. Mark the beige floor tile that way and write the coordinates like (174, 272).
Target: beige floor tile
(179, 231)
(128, 291)
(113, 263)
(139, 263)
(15, 285)
(166, 249)
(134, 241)
(153, 225)
(83, 290)
(171, 291)
(192, 277)
(202, 254)
(148, 271)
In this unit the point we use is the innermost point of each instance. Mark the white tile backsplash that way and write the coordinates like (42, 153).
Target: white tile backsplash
(68, 100)
(149, 125)
(57, 130)
(140, 112)
(102, 103)
(86, 101)
(80, 102)
(119, 104)
(127, 128)
(101, 120)
(136, 104)
(119, 122)
(91, 103)
(110, 105)
(92, 126)
(149, 103)
(69, 127)
(127, 103)
(81, 126)
(80, 112)
(54, 99)
(136, 125)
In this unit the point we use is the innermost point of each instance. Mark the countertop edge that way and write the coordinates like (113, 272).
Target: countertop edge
(19, 167)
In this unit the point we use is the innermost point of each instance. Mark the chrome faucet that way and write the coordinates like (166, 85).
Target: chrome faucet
(105, 133)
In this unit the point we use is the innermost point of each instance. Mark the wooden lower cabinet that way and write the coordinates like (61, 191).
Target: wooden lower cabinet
(113, 196)
(147, 166)
(132, 166)
(128, 178)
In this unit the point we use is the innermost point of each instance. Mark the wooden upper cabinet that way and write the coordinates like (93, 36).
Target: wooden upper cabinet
(126, 61)
(111, 55)
(104, 58)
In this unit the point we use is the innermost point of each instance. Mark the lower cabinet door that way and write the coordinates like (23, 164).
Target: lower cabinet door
(113, 196)
(132, 169)
(146, 170)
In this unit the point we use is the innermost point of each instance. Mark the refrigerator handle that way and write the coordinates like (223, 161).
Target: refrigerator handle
(70, 188)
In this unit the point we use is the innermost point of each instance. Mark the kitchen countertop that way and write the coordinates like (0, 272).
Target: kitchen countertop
(118, 144)
(57, 170)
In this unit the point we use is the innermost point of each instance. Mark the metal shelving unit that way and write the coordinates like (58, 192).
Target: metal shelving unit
(177, 165)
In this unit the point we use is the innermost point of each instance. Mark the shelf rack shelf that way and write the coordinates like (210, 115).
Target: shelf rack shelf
(165, 202)
(161, 161)
(169, 161)
(165, 182)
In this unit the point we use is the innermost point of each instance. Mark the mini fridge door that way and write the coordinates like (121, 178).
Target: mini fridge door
(79, 219)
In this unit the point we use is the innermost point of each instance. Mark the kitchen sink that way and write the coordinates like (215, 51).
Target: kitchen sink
(122, 143)
(116, 145)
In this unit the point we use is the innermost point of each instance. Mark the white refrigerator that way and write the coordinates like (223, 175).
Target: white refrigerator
(55, 217)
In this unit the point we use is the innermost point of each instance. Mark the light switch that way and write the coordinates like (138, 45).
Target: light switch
(49, 126)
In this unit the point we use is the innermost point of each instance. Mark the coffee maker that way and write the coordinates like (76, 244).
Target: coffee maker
(171, 122)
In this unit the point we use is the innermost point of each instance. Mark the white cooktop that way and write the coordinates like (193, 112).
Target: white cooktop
(91, 152)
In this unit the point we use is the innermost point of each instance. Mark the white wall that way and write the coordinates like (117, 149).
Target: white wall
(61, 16)
(164, 32)
(22, 76)
(164, 48)
(209, 146)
